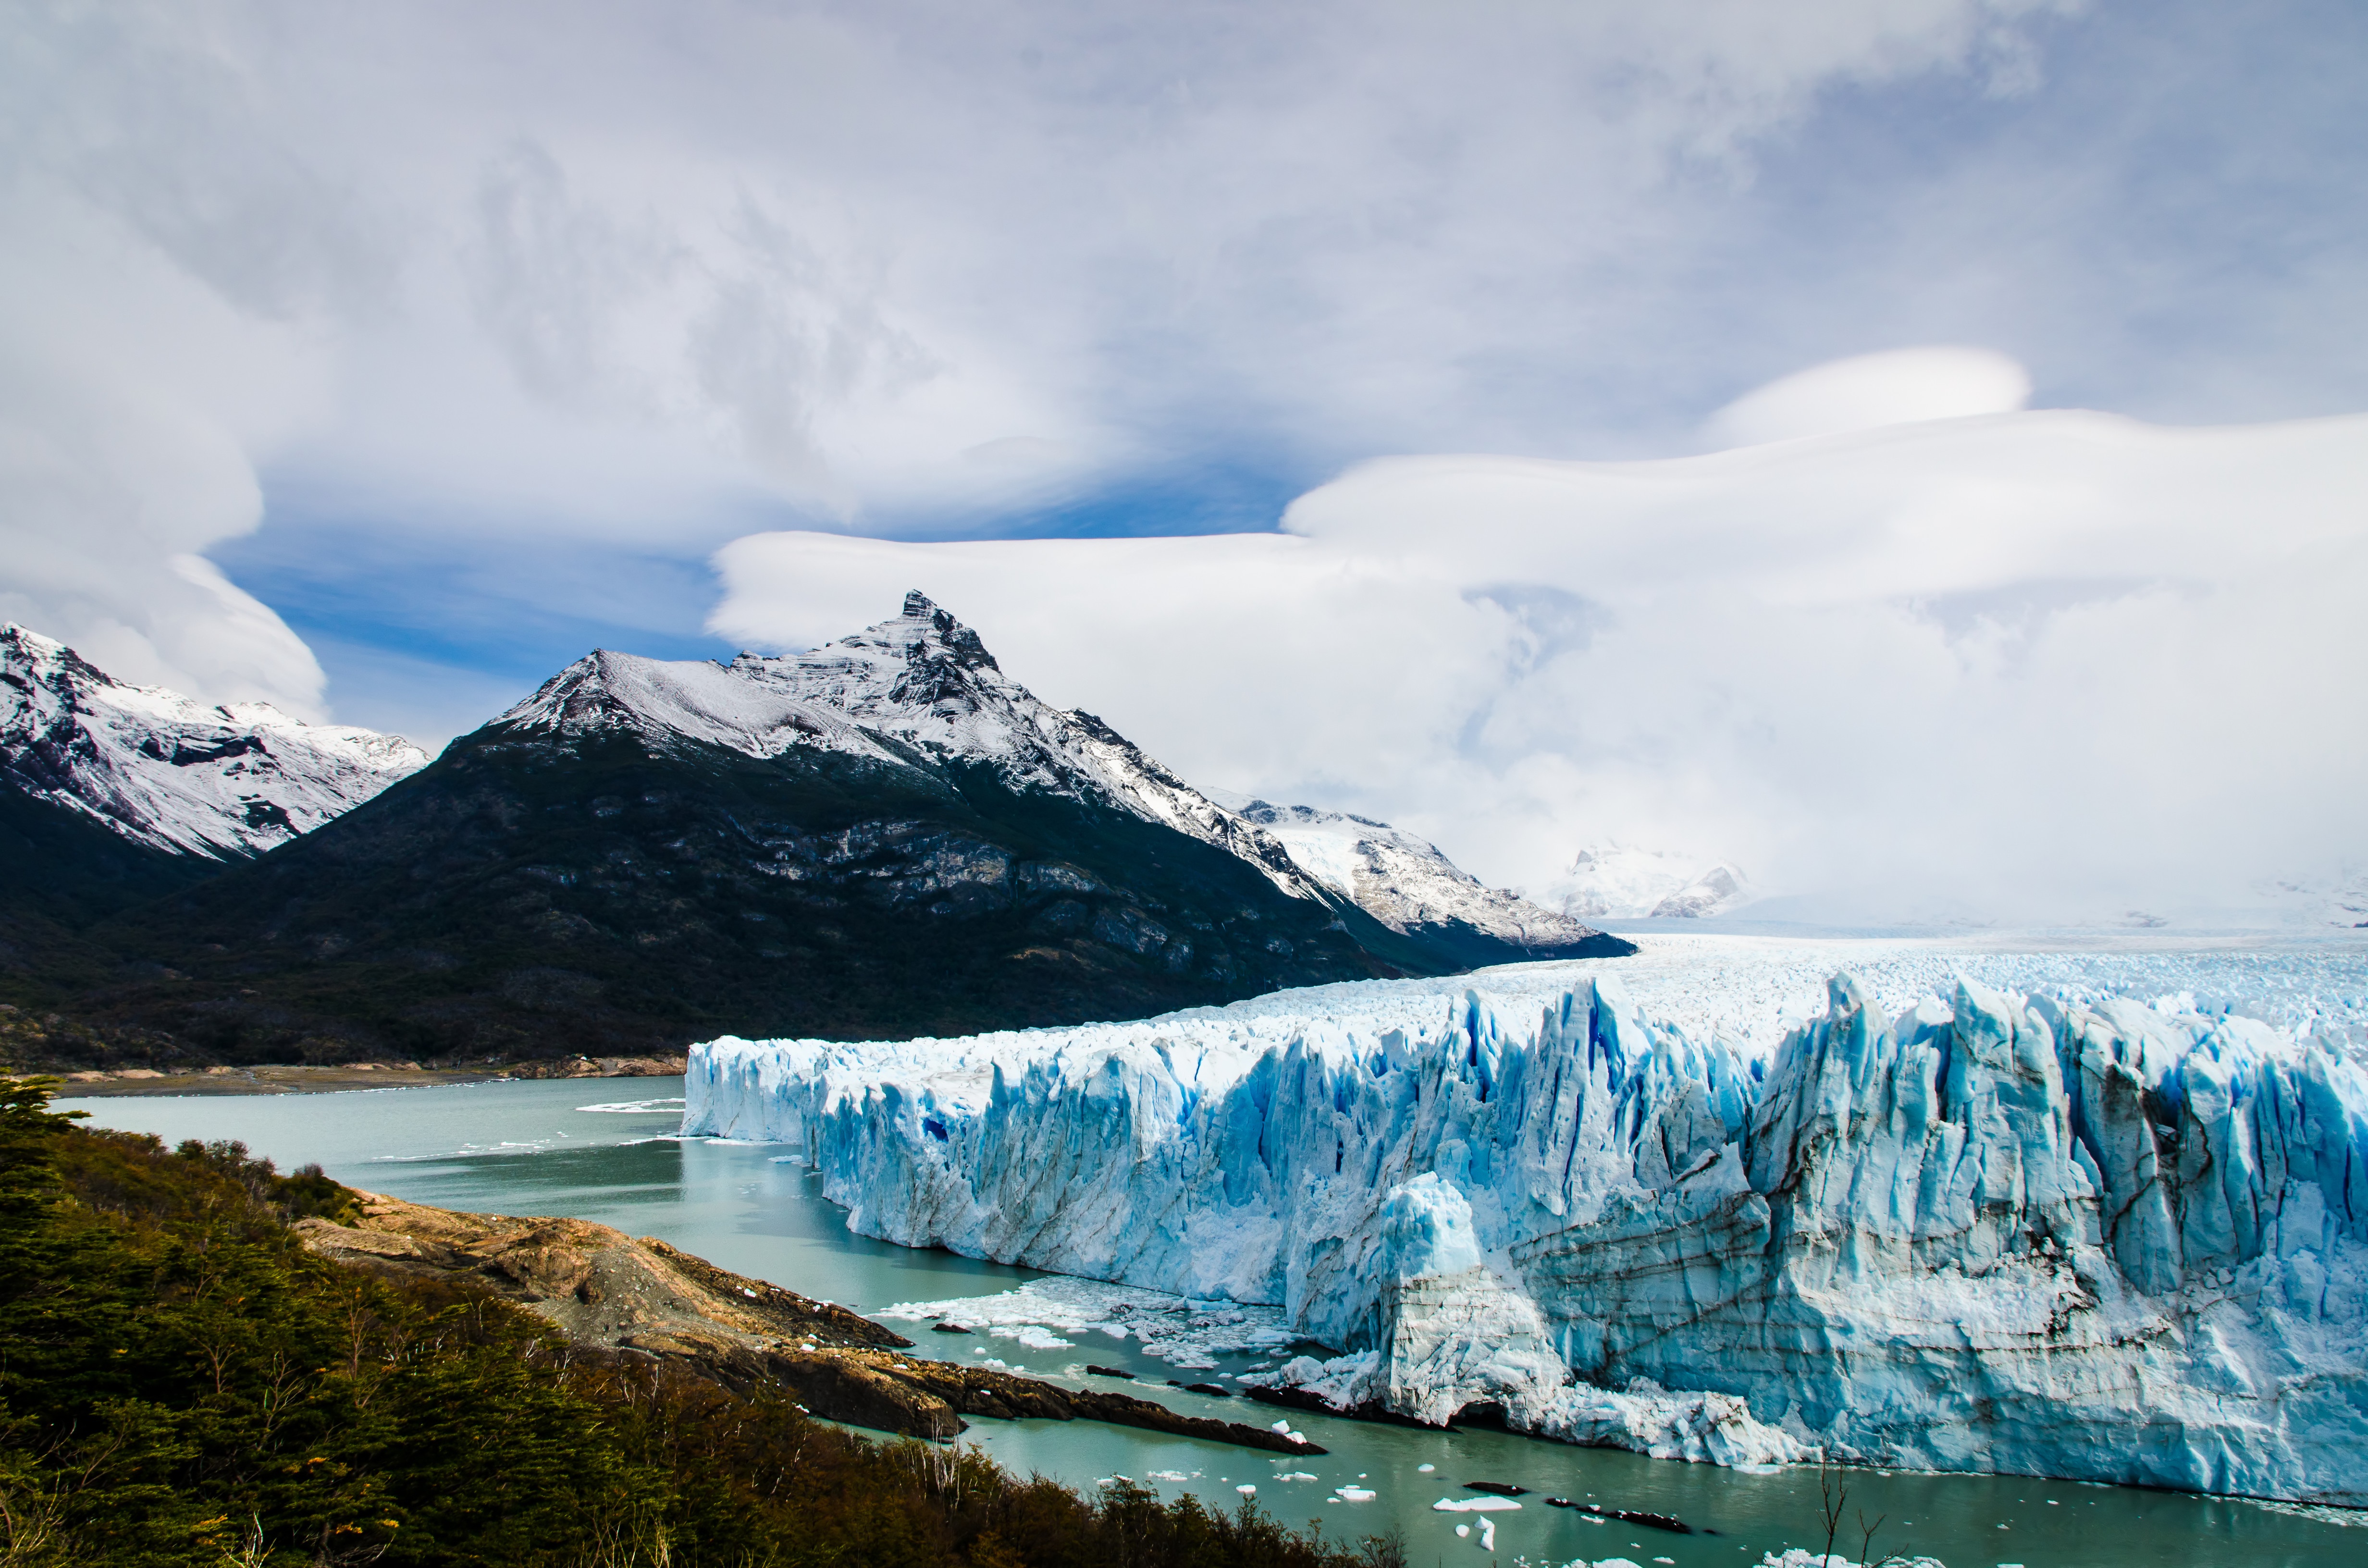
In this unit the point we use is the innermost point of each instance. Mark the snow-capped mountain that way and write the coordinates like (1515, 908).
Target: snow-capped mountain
(885, 836)
(1402, 881)
(920, 686)
(167, 772)
(1620, 881)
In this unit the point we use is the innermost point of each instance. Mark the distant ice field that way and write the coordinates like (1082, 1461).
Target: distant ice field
(1751, 989)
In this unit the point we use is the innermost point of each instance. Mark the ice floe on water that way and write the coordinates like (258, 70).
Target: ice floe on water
(1175, 1329)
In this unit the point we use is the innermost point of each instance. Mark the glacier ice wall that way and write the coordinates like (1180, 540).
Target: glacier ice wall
(2093, 1238)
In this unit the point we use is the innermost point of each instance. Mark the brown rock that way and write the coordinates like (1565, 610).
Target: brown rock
(607, 1292)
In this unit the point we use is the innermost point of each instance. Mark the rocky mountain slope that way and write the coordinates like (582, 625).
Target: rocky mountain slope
(111, 794)
(885, 837)
(168, 772)
(1407, 884)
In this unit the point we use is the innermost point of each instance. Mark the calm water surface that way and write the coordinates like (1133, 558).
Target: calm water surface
(599, 1150)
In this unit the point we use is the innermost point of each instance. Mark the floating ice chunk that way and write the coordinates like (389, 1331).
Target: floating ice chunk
(1474, 1505)
(1356, 1494)
(1246, 1490)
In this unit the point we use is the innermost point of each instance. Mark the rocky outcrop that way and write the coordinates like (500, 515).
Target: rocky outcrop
(600, 1067)
(607, 1292)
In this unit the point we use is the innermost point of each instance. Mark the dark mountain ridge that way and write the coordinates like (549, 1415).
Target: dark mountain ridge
(882, 838)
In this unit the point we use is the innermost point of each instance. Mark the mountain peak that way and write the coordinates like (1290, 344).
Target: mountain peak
(170, 772)
(926, 632)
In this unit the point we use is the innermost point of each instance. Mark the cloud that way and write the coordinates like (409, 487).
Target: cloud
(129, 406)
(484, 285)
(565, 271)
(2030, 664)
(1870, 389)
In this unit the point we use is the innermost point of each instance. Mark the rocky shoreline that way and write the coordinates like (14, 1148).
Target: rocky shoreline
(299, 1079)
(642, 1300)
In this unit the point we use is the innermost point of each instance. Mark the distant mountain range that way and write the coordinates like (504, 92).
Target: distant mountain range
(885, 836)
(111, 793)
(1623, 882)
(1407, 885)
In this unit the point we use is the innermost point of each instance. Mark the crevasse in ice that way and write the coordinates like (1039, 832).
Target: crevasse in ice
(2087, 1238)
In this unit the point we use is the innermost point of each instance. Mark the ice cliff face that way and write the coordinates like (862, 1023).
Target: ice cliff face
(2093, 1239)
(171, 773)
(1402, 881)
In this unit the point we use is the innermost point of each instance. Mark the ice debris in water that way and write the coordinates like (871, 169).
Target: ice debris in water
(1181, 1331)
(1579, 1212)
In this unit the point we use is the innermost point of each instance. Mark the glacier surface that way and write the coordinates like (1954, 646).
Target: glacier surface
(1931, 1222)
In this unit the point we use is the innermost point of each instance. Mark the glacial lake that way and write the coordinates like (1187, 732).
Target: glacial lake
(600, 1149)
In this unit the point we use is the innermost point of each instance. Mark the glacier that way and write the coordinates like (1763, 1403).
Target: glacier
(2054, 1230)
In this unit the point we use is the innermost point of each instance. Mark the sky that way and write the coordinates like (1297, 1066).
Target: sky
(1904, 446)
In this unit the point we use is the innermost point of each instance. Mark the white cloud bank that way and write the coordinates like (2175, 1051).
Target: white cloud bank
(1868, 390)
(127, 418)
(623, 271)
(2027, 666)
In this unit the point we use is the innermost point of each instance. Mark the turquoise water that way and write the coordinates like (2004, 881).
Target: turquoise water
(601, 1150)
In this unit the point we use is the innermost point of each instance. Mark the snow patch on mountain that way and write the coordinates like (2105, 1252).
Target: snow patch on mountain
(2058, 1230)
(1402, 881)
(1621, 881)
(920, 689)
(170, 772)
(2339, 899)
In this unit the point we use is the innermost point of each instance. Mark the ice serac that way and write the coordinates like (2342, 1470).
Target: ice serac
(170, 773)
(2054, 1233)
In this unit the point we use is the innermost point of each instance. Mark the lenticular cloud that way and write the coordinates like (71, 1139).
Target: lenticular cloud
(2051, 665)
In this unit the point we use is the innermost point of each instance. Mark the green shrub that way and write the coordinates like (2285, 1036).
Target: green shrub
(181, 1383)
